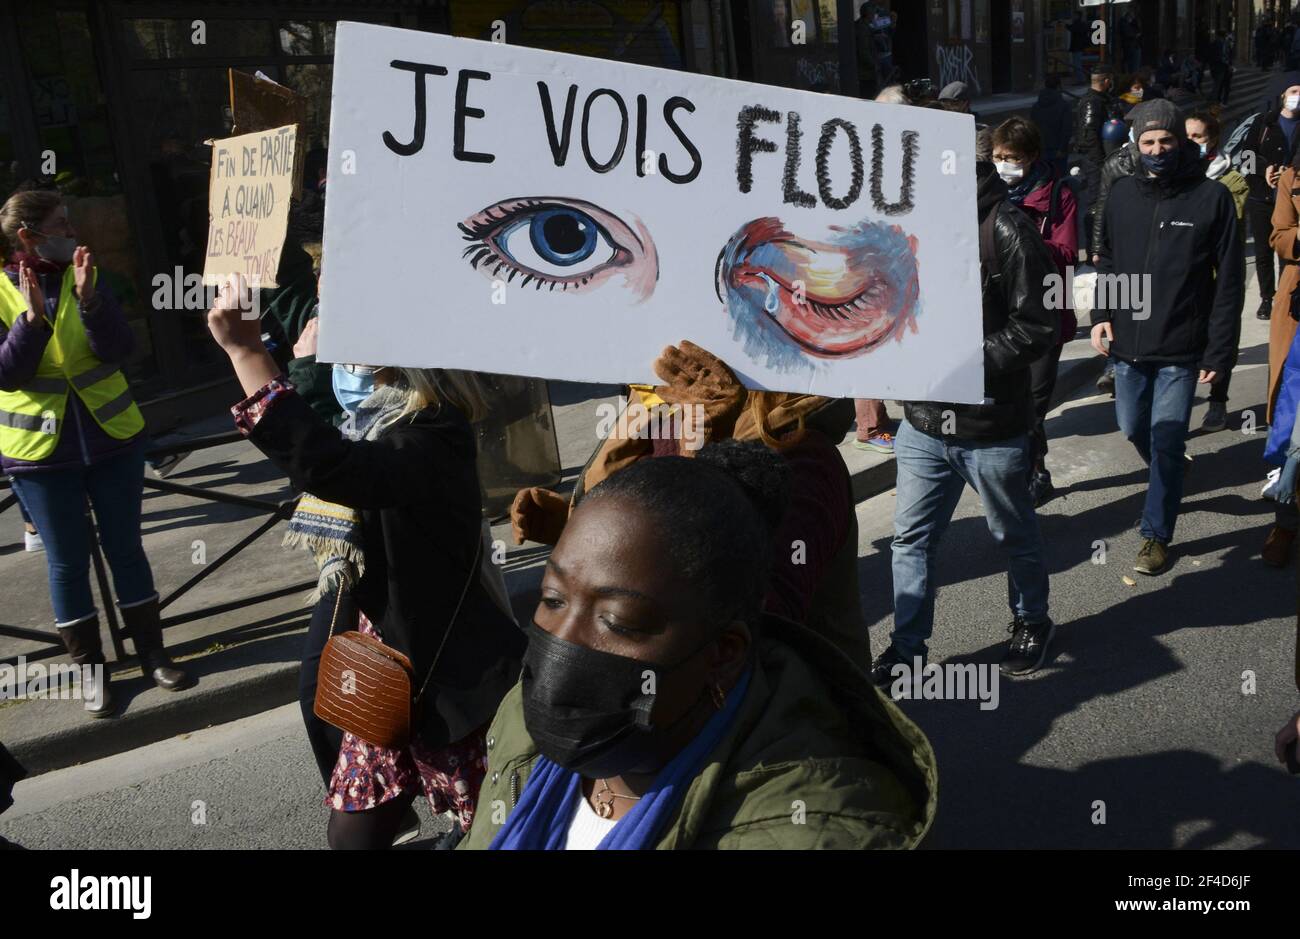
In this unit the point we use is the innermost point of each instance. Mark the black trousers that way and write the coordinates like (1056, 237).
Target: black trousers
(1042, 377)
(325, 739)
(1261, 229)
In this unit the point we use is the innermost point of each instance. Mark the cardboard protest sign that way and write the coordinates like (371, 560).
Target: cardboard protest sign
(258, 103)
(248, 205)
(525, 212)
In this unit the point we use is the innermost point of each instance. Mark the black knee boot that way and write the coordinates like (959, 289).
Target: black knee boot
(142, 624)
(84, 646)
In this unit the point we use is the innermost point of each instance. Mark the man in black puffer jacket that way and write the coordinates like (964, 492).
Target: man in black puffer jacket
(1169, 294)
(942, 447)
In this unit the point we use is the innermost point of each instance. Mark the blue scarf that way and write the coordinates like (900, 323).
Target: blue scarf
(1037, 173)
(540, 822)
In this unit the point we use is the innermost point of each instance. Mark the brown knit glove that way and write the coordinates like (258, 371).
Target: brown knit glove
(706, 389)
(539, 515)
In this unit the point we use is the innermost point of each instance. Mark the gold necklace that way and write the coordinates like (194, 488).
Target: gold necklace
(605, 808)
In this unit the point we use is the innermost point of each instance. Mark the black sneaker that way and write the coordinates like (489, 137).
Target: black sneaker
(1265, 310)
(1027, 649)
(1041, 489)
(882, 670)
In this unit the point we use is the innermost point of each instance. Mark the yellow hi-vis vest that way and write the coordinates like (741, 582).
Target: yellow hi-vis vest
(31, 418)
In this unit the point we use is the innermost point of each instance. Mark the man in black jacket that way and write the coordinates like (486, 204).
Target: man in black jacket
(940, 448)
(1093, 110)
(1169, 291)
(1266, 150)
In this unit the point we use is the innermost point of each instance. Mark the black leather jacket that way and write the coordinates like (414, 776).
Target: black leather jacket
(1269, 143)
(1019, 328)
(1123, 162)
(1094, 109)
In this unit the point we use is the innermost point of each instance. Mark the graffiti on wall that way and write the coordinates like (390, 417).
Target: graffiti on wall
(813, 72)
(957, 64)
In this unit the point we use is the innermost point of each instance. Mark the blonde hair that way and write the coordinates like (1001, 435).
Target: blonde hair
(24, 209)
(468, 392)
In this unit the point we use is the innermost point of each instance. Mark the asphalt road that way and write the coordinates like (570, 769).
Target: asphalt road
(1143, 714)
(1142, 707)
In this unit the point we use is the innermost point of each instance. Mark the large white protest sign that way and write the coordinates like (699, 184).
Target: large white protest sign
(524, 212)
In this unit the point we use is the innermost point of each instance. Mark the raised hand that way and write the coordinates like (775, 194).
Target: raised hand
(227, 320)
(699, 381)
(306, 344)
(30, 287)
(83, 267)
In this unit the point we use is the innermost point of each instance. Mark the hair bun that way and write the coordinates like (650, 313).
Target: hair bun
(760, 471)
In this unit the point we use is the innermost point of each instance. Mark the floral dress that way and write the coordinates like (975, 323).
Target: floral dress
(366, 776)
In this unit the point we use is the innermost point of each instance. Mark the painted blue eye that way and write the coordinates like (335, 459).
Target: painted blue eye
(563, 236)
(556, 241)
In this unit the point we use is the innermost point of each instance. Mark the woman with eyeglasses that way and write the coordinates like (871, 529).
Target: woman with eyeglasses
(70, 433)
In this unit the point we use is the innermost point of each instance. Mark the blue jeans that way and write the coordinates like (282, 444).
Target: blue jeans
(1153, 405)
(931, 475)
(56, 501)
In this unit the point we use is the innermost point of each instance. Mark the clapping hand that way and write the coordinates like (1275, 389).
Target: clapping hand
(30, 287)
(83, 272)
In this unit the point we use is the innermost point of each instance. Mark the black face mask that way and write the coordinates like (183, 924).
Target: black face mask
(586, 710)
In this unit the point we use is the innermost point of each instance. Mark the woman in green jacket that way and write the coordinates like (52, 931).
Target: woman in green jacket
(659, 708)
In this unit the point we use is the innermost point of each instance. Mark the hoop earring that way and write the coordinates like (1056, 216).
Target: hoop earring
(719, 696)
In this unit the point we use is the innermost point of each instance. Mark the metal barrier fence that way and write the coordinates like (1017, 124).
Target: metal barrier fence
(275, 512)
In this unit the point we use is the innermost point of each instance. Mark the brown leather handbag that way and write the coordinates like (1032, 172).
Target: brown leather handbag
(364, 687)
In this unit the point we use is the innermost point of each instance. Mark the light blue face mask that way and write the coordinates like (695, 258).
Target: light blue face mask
(352, 385)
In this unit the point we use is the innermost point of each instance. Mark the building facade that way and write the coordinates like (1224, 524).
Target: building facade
(114, 101)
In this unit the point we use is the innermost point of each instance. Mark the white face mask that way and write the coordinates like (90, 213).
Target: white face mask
(1292, 102)
(1011, 173)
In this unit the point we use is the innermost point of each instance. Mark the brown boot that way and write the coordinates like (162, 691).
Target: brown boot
(84, 646)
(1277, 547)
(142, 624)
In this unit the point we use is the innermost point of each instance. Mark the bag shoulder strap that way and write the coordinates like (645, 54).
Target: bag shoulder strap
(988, 249)
(1054, 205)
(473, 572)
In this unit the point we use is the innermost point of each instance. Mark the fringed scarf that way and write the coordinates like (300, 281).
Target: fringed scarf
(332, 532)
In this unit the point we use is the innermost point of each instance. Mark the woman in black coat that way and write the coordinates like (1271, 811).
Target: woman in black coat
(399, 504)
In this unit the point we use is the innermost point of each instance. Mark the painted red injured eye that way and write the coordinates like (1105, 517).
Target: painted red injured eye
(836, 297)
